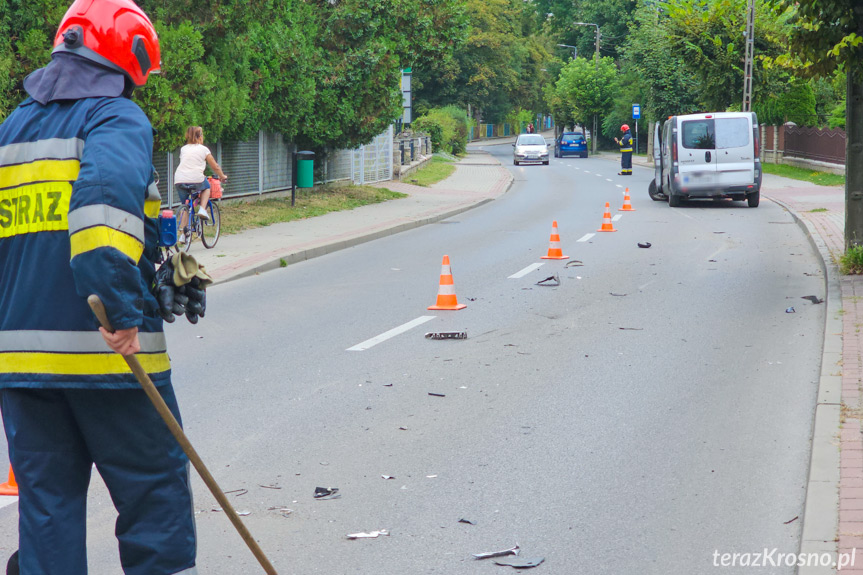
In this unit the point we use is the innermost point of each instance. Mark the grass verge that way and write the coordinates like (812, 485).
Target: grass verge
(240, 216)
(805, 174)
(434, 171)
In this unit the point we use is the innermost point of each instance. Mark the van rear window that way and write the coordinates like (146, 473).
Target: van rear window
(732, 132)
(699, 135)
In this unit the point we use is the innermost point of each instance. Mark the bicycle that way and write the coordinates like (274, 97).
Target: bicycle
(196, 227)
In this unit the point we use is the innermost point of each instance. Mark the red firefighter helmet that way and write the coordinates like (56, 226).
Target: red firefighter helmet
(113, 33)
(624, 128)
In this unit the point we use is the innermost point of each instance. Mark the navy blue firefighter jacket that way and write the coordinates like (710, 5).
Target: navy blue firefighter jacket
(77, 209)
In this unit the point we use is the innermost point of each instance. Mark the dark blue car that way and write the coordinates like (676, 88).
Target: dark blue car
(570, 144)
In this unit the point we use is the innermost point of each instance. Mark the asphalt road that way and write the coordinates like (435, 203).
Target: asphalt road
(652, 409)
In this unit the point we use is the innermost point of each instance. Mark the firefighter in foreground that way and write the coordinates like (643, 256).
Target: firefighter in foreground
(77, 202)
(625, 143)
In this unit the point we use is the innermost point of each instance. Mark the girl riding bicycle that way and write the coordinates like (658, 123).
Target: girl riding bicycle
(194, 158)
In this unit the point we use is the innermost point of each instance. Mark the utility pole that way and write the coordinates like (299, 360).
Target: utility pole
(750, 55)
(596, 67)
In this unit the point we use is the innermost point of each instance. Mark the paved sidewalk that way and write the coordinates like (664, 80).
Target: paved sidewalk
(478, 179)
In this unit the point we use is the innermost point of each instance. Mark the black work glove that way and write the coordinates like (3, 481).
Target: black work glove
(164, 291)
(197, 297)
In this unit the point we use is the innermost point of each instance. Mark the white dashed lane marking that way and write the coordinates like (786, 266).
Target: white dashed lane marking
(391, 333)
(525, 271)
(616, 217)
(585, 237)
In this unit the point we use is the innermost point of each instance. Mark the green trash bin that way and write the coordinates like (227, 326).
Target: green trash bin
(305, 169)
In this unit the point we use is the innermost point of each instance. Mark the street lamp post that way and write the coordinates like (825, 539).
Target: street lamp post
(574, 49)
(596, 66)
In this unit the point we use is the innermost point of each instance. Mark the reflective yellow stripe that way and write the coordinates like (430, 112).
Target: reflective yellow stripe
(104, 237)
(35, 208)
(39, 171)
(79, 363)
(151, 208)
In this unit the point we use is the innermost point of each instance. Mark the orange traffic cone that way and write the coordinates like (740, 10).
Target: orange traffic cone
(446, 293)
(554, 251)
(606, 220)
(627, 205)
(10, 487)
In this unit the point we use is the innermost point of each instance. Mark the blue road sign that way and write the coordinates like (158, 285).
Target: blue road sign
(636, 111)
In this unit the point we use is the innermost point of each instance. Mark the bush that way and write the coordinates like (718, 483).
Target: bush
(448, 128)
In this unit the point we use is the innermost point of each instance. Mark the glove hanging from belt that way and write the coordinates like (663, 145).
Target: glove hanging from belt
(180, 288)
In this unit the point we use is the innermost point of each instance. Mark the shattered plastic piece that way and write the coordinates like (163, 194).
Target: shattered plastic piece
(790, 310)
(431, 476)
(370, 535)
(446, 335)
(269, 486)
(468, 521)
(437, 394)
(387, 477)
(644, 245)
(327, 493)
(631, 328)
(519, 562)
(617, 294)
(813, 298)
(790, 520)
(243, 513)
(238, 492)
(403, 428)
(511, 551)
(549, 281)
(216, 509)
(574, 264)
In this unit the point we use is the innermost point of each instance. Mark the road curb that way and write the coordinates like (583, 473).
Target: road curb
(291, 257)
(821, 510)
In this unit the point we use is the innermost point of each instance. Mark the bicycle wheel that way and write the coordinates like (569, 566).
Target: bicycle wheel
(183, 213)
(210, 229)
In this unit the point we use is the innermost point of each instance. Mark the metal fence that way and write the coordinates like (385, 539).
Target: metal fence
(264, 165)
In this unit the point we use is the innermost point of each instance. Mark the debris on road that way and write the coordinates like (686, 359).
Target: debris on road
(283, 511)
(617, 294)
(511, 551)
(468, 521)
(446, 335)
(550, 281)
(573, 264)
(243, 513)
(273, 486)
(631, 328)
(644, 245)
(791, 520)
(437, 394)
(790, 310)
(327, 493)
(813, 298)
(238, 492)
(387, 477)
(370, 535)
(519, 562)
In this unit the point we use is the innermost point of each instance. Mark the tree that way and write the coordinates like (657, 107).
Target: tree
(498, 68)
(585, 89)
(828, 35)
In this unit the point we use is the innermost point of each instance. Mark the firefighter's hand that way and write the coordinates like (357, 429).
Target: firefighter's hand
(123, 341)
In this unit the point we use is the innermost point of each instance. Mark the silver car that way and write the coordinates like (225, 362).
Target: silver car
(530, 148)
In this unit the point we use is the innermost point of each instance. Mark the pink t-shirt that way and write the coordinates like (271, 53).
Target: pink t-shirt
(193, 161)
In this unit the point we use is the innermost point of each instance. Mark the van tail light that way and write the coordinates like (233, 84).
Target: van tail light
(757, 143)
(674, 152)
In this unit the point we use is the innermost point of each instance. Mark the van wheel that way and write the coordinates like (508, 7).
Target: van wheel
(673, 201)
(515, 162)
(654, 194)
(754, 199)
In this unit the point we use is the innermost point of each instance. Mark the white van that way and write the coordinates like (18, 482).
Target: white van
(707, 156)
